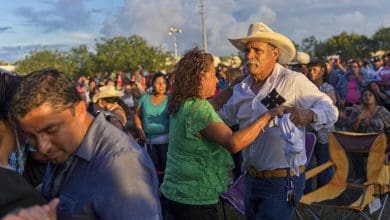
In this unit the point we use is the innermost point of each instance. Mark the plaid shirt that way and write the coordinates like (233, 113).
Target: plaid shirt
(17, 158)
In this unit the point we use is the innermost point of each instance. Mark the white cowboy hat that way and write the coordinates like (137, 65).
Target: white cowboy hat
(301, 58)
(261, 32)
(106, 92)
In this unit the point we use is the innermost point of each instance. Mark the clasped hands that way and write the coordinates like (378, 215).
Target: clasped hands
(299, 116)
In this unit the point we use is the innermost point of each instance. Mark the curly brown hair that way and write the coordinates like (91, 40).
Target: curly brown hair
(188, 72)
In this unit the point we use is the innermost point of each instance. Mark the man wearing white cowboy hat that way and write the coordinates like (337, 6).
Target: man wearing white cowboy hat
(300, 62)
(270, 180)
(116, 111)
(106, 92)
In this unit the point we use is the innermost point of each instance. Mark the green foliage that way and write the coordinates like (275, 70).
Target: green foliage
(36, 60)
(308, 45)
(347, 45)
(120, 53)
(112, 54)
(128, 53)
(382, 39)
(83, 60)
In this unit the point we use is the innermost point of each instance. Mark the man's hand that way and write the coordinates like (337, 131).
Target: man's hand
(278, 111)
(45, 212)
(300, 116)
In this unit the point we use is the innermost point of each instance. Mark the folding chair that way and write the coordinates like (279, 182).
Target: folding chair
(235, 194)
(352, 193)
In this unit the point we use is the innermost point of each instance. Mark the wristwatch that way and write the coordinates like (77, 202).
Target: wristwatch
(315, 118)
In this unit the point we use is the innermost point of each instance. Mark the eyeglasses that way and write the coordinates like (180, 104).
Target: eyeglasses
(355, 67)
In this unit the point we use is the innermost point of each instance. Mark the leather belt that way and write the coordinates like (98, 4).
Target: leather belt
(269, 174)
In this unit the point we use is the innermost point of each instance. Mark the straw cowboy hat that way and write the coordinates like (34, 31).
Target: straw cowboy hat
(301, 58)
(106, 92)
(261, 32)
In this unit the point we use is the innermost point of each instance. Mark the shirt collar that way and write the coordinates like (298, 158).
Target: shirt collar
(248, 81)
(87, 146)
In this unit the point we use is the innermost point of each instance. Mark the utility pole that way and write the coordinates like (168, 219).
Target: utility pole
(203, 26)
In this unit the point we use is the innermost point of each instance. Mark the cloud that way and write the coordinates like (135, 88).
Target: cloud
(95, 10)
(14, 53)
(385, 21)
(5, 28)
(60, 15)
(70, 21)
(80, 36)
(224, 19)
(265, 14)
(152, 18)
(149, 18)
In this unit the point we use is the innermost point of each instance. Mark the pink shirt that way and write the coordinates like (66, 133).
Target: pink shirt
(352, 94)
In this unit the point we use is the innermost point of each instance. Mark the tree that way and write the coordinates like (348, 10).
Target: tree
(347, 45)
(382, 39)
(83, 60)
(120, 53)
(308, 45)
(40, 59)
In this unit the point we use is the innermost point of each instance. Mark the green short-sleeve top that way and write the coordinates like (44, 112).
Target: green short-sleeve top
(197, 168)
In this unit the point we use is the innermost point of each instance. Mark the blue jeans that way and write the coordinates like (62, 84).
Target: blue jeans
(266, 198)
(321, 153)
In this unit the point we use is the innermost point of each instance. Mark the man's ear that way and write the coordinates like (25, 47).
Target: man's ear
(81, 108)
(275, 53)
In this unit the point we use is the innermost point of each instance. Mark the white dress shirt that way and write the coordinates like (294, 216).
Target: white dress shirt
(267, 152)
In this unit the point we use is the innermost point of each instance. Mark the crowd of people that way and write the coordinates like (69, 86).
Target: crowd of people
(163, 146)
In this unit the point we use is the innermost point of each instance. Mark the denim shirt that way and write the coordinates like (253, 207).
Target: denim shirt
(108, 177)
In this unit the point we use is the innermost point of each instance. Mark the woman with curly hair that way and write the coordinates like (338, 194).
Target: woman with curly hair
(198, 158)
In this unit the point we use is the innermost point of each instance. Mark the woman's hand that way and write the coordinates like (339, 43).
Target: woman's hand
(363, 115)
(141, 133)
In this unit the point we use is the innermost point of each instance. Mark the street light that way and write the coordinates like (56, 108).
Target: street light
(173, 32)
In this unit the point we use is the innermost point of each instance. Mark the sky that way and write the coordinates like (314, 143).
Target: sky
(27, 25)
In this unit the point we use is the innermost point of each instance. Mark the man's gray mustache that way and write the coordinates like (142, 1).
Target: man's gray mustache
(253, 62)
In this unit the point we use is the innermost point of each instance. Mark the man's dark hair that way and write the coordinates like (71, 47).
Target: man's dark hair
(44, 86)
(8, 84)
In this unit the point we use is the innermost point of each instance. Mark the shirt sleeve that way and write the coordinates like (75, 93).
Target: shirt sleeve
(198, 115)
(310, 97)
(142, 100)
(228, 112)
(385, 115)
(130, 188)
